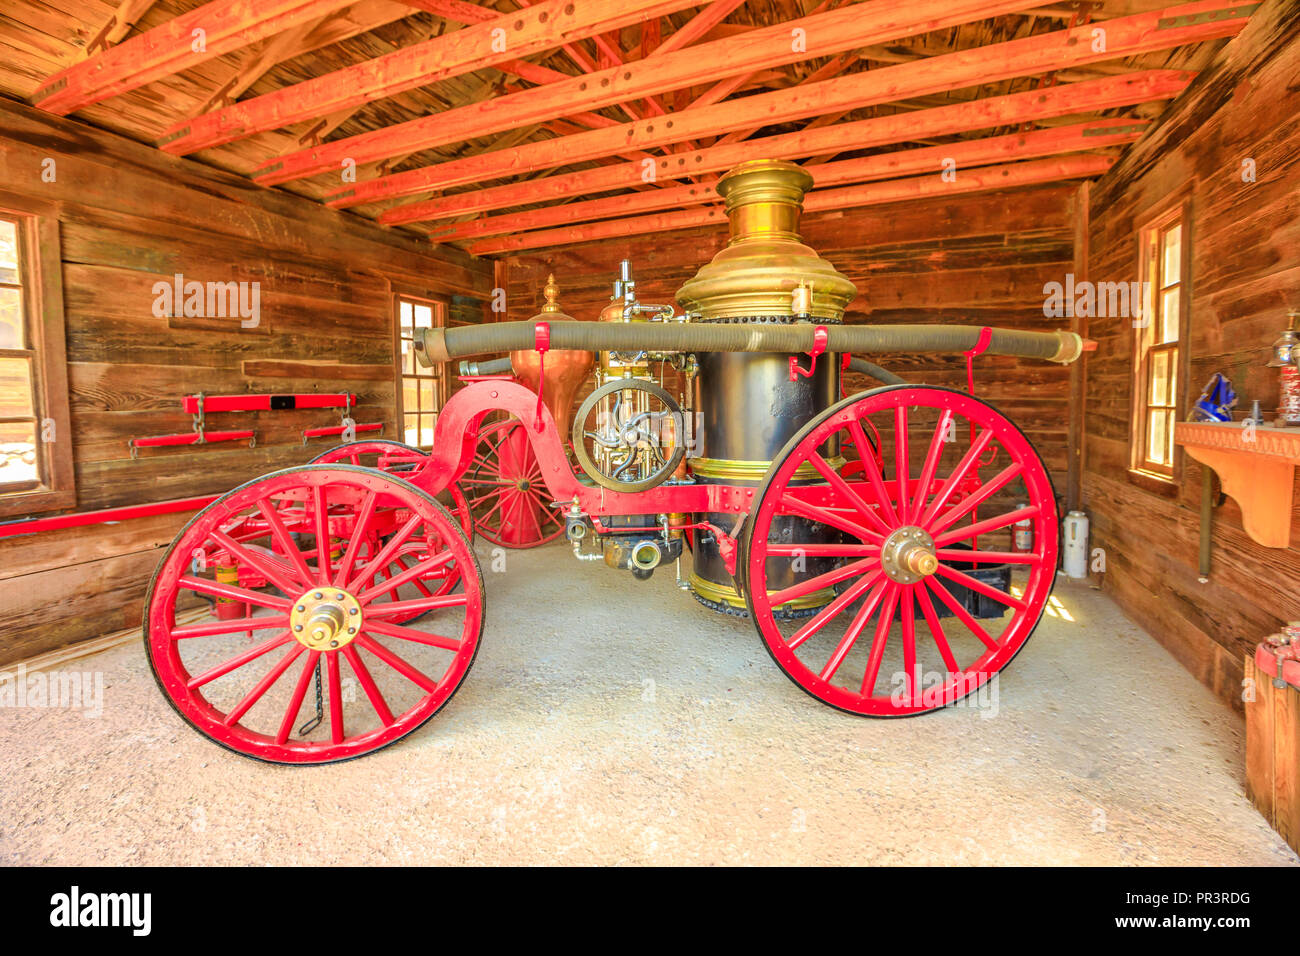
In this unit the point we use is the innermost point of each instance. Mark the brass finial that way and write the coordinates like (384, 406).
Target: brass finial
(552, 293)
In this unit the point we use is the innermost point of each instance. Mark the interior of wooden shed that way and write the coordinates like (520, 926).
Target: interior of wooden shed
(360, 170)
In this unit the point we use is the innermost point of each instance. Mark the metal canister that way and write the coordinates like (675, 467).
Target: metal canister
(749, 404)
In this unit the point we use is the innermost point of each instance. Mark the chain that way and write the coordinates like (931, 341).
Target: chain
(315, 722)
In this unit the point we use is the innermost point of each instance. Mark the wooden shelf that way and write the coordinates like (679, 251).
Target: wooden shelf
(1257, 470)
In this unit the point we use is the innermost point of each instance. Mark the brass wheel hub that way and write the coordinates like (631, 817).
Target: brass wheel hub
(908, 555)
(325, 619)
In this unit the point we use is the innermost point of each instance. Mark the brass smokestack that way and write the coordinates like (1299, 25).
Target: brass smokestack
(764, 261)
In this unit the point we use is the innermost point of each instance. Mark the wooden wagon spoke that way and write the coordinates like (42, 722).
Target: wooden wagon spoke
(238, 625)
(234, 592)
(296, 698)
(261, 687)
(411, 634)
(367, 683)
(239, 660)
(963, 615)
(399, 664)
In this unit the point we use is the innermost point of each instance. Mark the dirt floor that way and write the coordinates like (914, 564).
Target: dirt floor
(609, 721)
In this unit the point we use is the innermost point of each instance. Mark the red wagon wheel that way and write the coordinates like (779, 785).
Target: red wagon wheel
(908, 551)
(506, 492)
(244, 682)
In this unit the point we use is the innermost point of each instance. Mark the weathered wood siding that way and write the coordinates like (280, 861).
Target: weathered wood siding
(1245, 274)
(131, 217)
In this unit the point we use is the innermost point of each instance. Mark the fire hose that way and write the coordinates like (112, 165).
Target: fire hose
(442, 345)
(503, 366)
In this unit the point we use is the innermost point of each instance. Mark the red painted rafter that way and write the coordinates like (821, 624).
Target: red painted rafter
(225, 25)
(831, 32)
(905, 162)
(869, 194)
(464, 51)
(1143, 33)
(1088, 96)
(1085, 97)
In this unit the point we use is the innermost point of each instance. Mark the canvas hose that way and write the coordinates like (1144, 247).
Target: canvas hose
(442, 345)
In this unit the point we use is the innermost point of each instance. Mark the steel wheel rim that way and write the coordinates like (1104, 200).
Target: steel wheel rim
(384, 641)
(889, 596)
(494, 498)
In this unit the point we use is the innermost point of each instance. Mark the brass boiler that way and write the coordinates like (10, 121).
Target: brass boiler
(746, 406)
(564, 370)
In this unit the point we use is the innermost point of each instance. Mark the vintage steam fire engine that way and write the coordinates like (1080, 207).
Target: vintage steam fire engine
(324, 611)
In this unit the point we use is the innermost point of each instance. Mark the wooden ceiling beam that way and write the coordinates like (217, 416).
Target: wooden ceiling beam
(476, 46)
(126, 16)
(1031, 106)
(833, 32)
(1029, 56)
(214, 29)
(1032, 172)
(1076, 138)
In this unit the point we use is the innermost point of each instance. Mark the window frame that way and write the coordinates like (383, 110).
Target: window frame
(441, 306)
(1154, 226)
(41, 265)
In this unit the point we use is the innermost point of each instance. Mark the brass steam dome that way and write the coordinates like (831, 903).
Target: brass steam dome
(764, 261)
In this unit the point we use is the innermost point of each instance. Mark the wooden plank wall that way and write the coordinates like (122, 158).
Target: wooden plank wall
(979, 258)
(131, 217)
(1245, 274)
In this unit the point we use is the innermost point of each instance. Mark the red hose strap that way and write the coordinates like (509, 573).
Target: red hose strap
(981, 346)
(542, 343)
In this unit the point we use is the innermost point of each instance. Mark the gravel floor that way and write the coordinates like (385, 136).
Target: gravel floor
(608, 721)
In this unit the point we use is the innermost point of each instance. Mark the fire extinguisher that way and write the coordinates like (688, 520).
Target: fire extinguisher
(1076, 545)
(1022, 534)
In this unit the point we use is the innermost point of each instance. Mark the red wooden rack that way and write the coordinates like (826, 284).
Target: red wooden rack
(200, 405)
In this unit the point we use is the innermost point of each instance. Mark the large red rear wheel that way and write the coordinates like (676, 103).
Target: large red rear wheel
(506, 491)
(917, 538)
(323, 614)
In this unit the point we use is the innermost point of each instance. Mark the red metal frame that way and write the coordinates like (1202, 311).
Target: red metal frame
(199, 404)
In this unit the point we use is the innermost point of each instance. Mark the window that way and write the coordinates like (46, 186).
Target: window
(421, 391)
(35, 439)
(1158, 368)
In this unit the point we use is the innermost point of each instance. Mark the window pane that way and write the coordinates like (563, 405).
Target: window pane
(1171, 397)
(426, 431)
(18, 453)
(1172, 245)
(15, 388)
(423, 317)
(1169, 438)
(408, 358)
(1156, 440)
(1159, 378)
(404, 310)
(411, 433)
(410, 395)
(1169, 315)
(11, 319)
(427, 402)
(8, 251)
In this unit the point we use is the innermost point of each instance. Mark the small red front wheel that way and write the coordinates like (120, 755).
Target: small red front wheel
(919, 541)
(332, 616)
(506, 490)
